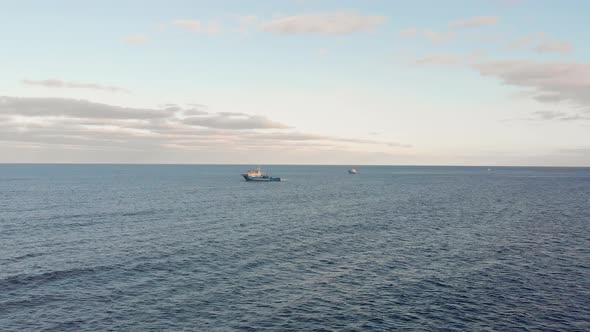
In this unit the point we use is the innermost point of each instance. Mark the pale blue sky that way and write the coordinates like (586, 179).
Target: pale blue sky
(358, 82)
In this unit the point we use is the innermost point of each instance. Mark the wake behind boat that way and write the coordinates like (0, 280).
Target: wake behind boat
(256, 175)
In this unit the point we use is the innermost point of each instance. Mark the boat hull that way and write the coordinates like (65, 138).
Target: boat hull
(260, 178)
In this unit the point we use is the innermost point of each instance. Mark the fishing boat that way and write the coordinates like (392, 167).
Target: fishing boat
(353, 171)
(256, 175)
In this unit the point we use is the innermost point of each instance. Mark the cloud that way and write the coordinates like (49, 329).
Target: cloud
(553, 116)
(551, 98)
(554, 46)
(410, 32)
(553, 82)
(575, 117)
(439, 37)
(290, 136)
(71, 108)
(544, 45)
(549, 115)
(190, 25)
(55, 123)
(507, 3)
(549, 82)
(213, 28)
(56, 83)
(440, 59)
(474, 21)
(525, 41)
(323, 24)
(561, 116)
(449, 59)
(492, 38)
(247, 20)
(234, 121)
(196, 26)
(299, 136)
(136, 39)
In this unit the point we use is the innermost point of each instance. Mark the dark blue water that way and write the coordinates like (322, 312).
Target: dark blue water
(195, 248)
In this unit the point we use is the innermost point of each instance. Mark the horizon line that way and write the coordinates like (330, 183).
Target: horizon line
(279, 164)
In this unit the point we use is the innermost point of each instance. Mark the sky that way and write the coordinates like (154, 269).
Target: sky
(387, 82)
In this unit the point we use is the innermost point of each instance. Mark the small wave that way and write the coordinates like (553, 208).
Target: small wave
(17, 281)
(23, 257)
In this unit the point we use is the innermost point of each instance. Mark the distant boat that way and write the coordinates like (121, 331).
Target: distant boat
(353, 171)
(256, 175)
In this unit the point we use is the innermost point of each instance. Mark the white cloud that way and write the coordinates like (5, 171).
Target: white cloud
(526, 41)
(410, 32)
(212, 27)
(136, 39)
(234, 121)
(549, 115)
(543, 44)
(474, 21)
(554, 46)
(565, 83)
(323, 24)
(507, 3)
(440, 59)
(550, 82)
(188, 24)
(56, 83)
(439, 37)
(246, 23)
(553, 116)
(488, 38)
(247, 20)
(561, 116)
(299, 136)
(449, 59)
(72, 108)
(54, 123)
(161, 27)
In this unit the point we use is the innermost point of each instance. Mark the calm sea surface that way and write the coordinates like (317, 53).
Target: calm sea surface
(195, 248)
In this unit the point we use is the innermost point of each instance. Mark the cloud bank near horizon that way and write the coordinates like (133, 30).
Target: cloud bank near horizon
(78, 124)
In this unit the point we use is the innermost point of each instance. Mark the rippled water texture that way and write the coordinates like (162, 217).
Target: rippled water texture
(129, 247)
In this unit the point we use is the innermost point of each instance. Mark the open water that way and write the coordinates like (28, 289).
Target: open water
(196, 248)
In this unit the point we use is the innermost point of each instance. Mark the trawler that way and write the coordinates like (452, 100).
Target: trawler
(256, 175)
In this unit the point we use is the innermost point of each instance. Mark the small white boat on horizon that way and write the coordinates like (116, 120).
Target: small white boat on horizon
(353, 171)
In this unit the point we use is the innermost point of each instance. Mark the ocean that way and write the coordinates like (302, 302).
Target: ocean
(196, 248)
